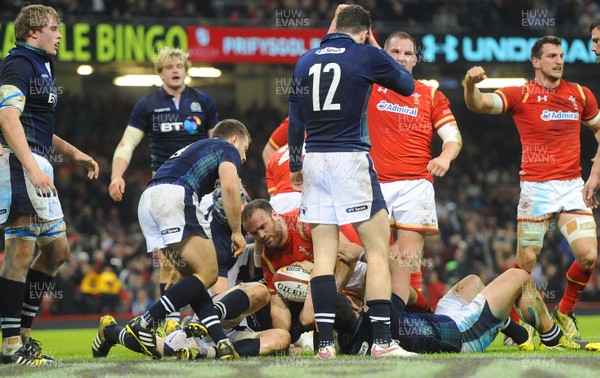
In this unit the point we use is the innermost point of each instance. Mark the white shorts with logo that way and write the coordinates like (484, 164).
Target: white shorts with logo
(286, 202)
(411, 205)
(339, 188)
(17, 193)
(540, 199)
(475, 321)
(168, 214)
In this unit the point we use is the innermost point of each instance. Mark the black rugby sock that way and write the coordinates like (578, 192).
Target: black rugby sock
(232, 305)
(323, 292)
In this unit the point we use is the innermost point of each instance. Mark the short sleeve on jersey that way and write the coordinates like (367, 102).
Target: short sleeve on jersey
(17, 71)
(139, 116)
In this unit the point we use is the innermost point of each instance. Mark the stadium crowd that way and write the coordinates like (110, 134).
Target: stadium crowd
(455, 15)
(476, 201)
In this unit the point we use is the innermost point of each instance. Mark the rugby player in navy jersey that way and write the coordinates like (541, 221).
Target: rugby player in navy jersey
(30, 211)
(467, 319)
(169, 217)
(328, 100)
(172, 117)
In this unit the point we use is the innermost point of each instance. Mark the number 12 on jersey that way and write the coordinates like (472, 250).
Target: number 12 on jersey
(315, 71)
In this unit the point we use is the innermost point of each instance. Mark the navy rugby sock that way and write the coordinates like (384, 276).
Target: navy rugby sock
(323, 292)
(515, 331)
(247, 347)
(232, 305)
(552, 337)
(205, 310)
(183, 292)
(11, 300)
(379, 313)
(116, 334)
(172, 315)
(36, 286)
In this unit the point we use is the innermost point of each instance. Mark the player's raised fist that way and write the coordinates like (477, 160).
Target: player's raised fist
(475, 75)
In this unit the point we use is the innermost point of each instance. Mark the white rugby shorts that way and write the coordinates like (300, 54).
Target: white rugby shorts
(168, 214)
(17, 193)
(411, 205)
(339, 188)
(285, 202)
(540, 199)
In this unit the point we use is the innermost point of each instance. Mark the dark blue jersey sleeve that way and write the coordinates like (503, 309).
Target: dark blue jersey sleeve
(140, 114)
(295, 136)
(17, 71)
(232, 155)
(385, 73)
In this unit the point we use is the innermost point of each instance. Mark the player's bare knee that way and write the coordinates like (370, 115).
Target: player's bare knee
(277, 339)
(473, 281)
(257, 292)
(526, 258)
(588, 259)
(517, 275)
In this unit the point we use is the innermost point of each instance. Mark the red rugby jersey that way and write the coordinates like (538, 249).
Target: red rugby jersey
(401, 129)
(549, 124)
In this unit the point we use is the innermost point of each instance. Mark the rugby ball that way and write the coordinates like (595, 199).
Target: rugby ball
(291, 282)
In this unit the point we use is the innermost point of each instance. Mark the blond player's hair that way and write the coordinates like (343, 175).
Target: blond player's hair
(33, 17)
(171, 55)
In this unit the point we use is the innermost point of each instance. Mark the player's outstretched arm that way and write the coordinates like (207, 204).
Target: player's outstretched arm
(487, 103)
(121, 158)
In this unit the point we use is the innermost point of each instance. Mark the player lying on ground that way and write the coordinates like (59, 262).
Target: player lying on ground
(254, 338)
(467, 318)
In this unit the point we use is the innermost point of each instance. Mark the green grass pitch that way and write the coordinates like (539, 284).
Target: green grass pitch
(72, 348)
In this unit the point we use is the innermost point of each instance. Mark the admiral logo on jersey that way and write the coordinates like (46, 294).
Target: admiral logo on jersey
(549, 115)
(395, 108)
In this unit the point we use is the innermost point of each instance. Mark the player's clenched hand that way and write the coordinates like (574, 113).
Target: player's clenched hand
(44, 187)
(475, 75)
(239, 243)
(438, 166)
(116, 189)
(296, 180)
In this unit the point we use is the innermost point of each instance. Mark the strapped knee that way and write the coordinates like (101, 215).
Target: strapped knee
(51, 231)
(580, 227)
(531, 234)
(26, 232)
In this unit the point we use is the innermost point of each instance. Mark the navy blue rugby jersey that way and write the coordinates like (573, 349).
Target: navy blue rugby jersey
(32, 71)
(196, 166)
(170, 128)
(420, 333)
(330, 92)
